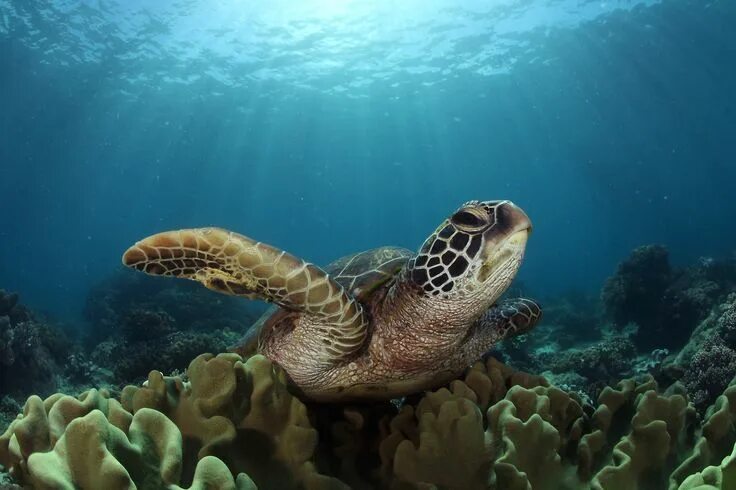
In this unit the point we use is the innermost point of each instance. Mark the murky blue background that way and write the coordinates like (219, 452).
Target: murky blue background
(326, 126)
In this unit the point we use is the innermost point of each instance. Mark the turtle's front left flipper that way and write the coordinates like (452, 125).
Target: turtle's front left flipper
(501, 321)
(234, 264)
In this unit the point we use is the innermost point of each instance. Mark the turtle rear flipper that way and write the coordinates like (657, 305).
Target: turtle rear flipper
(234, 264)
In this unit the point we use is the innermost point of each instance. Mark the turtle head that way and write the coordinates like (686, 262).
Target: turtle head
(474, 254)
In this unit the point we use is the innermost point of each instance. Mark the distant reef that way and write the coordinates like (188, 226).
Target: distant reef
(32, 351)
(675, 324)
(633, 389)
(133, 322)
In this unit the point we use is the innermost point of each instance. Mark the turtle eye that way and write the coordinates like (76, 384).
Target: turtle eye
(468, 220)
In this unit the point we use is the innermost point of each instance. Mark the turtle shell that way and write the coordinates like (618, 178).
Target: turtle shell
(360, 274)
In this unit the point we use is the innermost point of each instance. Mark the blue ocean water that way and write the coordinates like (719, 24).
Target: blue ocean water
(331, 126)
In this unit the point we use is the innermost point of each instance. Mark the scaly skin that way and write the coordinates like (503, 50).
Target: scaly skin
(403, 355)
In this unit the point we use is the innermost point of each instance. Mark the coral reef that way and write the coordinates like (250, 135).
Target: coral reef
(727, 321)
(230, 422)
(634, 293)
(31, 351)
(583, 362)
(139, 322)
(651, 318)
(594, 366)
(231, 413)
(130, 361)
(577, 317)
(234, 424)
(9, 408)
(708, 361)
(607, 360)
(149, 308)
(665, 303)
(709, 372)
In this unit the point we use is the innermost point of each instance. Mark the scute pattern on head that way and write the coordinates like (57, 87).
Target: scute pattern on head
(447, 254)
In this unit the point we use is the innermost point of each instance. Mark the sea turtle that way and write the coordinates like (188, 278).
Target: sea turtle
(376, 325)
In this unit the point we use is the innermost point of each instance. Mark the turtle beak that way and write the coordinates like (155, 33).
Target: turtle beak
(512, 227)
(505, 242)
(516, 225)
(515, 219)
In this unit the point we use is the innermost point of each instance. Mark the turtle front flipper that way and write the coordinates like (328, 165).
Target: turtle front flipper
(234, 264)
(502, 321)
(511, 317)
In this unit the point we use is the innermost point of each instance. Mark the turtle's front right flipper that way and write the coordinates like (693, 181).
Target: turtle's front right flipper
(234, 264)
(511, 317)
(500, 322)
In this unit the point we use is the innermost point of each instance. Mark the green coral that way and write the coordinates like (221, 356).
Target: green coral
(241, 412)
(722, 476)
(540, 437)
(452, 449)
(229, 414)
(232, 423)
